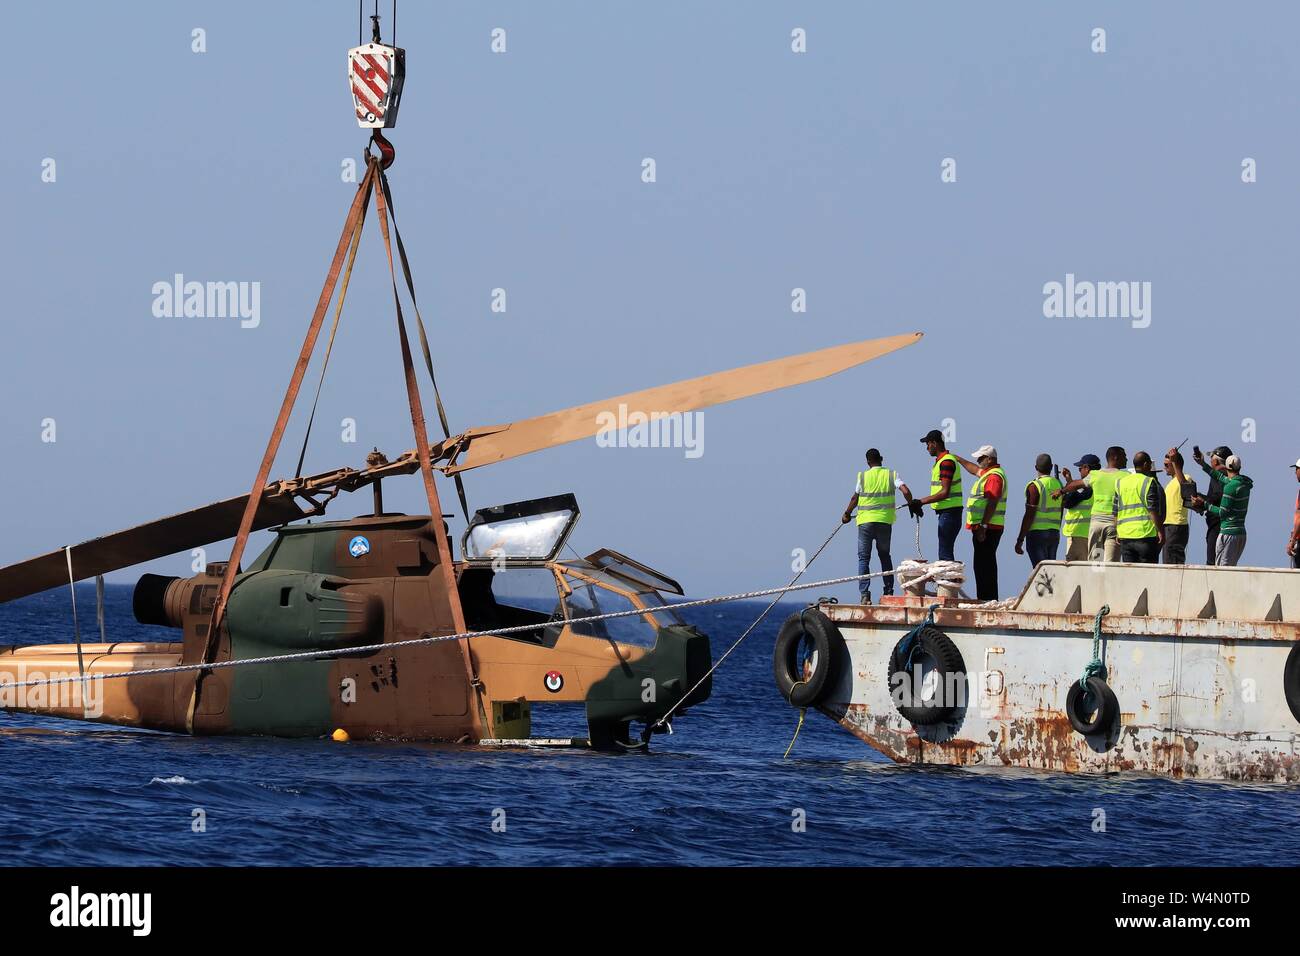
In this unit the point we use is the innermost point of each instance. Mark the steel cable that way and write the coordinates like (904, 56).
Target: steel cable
(465, 635)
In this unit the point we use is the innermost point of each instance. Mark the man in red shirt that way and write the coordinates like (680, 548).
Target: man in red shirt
(986, 517)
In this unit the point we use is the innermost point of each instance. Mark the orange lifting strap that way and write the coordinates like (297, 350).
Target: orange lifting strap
(346, 248)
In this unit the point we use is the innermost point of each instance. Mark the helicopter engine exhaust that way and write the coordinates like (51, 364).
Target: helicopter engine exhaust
(160, 599)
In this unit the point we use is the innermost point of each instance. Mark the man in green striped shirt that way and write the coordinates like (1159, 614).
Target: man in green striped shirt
(1231, 510)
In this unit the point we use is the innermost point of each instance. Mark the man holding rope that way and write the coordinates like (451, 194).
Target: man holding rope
(875, 494)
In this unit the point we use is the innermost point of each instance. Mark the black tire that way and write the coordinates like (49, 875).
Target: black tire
(1091, 711)
(809, 628)
(1291, 681)
(942, 682)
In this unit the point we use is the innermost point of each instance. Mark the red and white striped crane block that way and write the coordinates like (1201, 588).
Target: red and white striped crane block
(376, 73)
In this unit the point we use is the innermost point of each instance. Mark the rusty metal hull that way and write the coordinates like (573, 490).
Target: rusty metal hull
(1199, 697)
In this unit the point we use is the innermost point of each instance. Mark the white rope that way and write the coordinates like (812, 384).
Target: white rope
(76, 629)
(424, 641)
(944, 573)
(662, 721)
(1002, 605)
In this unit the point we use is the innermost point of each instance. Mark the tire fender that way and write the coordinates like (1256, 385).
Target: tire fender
(811, 628)
(1291, 681)
(931, 698)
(1079, 704)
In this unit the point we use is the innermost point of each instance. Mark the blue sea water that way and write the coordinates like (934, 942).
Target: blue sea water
(715, 792)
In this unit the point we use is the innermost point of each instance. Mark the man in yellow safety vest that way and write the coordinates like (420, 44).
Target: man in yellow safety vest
(1078, 510)
(945, 492)
(1040, 529)
(874, 495)
(1139, 513)
(1102, 543)
(986, 517)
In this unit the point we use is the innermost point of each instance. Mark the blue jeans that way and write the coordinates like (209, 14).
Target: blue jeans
(1042, 546)
(949, 527)
(880, 533)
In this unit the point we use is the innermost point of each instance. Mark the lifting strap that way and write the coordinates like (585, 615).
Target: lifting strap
(426, 465)
(99, 608)
(334, 328)
(419, 326)
(350, 227)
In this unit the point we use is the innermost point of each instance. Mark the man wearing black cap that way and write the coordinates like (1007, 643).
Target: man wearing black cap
(1213, 496)
(1077, 505)
(945, 493)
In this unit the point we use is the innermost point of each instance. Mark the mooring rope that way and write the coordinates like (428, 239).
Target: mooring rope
(76, 629)
(779, 594)
(1095, 667)
(803, 711)
(326, 654)
(945, 573)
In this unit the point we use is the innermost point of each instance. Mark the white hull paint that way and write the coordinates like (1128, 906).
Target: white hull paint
(1200, 693)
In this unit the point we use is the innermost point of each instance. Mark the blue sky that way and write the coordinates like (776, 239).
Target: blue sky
(775, 170)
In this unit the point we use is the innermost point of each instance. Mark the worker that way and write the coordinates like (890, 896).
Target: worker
(1139, 508)
(874, 494)
(1077, 505)
(986, 516)
(1040, 529)
(1213, 497)
(1231, 511)
(1102, 543)
(1293, 546)
(945, 492)
(1178, 495)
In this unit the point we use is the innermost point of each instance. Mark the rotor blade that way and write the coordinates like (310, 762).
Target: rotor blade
(584, 421)
(155, 539)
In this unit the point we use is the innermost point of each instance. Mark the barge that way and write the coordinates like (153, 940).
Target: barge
(1178, 670)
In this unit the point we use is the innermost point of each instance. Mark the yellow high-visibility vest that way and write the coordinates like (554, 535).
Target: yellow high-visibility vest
(1074, 523)
(998, 518)
(936, 486)
(1132, 520)
(876, 496)
(1102, 483)
(1047, 517)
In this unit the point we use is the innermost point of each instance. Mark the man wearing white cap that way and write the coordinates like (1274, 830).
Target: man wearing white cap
(1293, 547)
(1231, 512)
(986, 517)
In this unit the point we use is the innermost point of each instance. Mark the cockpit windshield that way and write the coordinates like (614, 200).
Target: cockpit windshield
(664, 612)
(633, 571)
(586, 600)
(516, 596)
(522, 531)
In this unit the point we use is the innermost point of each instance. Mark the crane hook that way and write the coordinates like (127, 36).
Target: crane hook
(386, 152)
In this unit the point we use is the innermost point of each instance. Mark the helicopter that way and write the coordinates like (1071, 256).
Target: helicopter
(374, 627)
(387, 578)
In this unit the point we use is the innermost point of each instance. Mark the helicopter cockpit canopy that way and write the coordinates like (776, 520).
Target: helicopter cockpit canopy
(513, 577)
(633, 571)
(531, 531)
